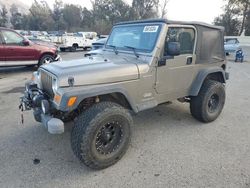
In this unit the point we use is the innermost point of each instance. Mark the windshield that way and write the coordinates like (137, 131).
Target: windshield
(140, 37)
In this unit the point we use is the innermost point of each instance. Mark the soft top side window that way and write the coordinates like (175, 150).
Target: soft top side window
(183, 35)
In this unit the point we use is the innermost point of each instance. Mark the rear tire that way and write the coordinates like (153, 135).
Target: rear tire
(101, 135)
(207, 106)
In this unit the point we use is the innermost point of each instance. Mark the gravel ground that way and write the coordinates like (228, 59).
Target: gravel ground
(169, 148)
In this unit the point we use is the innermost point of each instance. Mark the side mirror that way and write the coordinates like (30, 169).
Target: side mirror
(26, 43)
(173, 48)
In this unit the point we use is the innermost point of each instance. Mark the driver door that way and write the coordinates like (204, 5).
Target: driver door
(175, 77)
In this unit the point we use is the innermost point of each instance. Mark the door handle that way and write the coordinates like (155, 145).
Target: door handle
(189, 60)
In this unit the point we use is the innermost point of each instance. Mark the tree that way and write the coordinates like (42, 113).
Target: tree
(118, 11)
(101, 18)
(145, 8)
(87, 19)
(25, 22)
(101, 14)
(72, 16)
(108, 12)
(16, 17)
(57, 15)
(244, 7)
(247, 31)
(40, 16)
(163, 8)
(236, 17)
(229, 20)
(3, 17)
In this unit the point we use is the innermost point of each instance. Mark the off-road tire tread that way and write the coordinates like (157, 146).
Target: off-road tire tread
(80, 139)
(197, 102)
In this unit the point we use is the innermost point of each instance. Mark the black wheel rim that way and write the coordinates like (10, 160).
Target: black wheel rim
(109, 137)
(213, 103)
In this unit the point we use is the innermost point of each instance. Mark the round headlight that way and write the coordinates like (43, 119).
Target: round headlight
(45, 106)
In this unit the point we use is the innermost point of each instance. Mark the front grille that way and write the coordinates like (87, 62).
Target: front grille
(46, 83)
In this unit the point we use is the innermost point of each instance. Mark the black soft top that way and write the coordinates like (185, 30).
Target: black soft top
(172, 22)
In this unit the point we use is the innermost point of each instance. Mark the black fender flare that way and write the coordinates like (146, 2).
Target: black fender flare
(84, 93)
(201, 76)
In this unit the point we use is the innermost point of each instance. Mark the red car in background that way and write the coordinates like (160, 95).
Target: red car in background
(16, 50)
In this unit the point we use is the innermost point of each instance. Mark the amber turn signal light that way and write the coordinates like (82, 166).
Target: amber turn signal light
(71, 101)
(57, 98)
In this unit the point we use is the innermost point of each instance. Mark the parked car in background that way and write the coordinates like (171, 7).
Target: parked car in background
(102, 36)
(17, 50)
(89, 35)
(41, 41)
(72, 41)
(96, 47)
(231, 45)
(98, 44)
(43, 37)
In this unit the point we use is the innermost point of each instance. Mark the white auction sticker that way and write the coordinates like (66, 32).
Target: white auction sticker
(150, 29)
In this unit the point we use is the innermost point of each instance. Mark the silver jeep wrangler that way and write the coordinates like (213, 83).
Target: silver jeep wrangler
(143, 64)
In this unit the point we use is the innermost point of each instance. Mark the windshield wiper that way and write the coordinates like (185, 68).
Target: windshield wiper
(114, 47)
(132, 48)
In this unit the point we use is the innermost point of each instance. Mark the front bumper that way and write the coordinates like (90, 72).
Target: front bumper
(32, 99)
(57, 58)
(53, 125)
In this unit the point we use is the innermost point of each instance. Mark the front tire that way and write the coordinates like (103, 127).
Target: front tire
(207, 106)
(45, 59)
(101, 135)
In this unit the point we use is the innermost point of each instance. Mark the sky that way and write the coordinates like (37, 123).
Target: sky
(182, 10)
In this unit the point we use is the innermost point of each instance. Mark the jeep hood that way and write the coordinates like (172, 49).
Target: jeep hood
(93, 70)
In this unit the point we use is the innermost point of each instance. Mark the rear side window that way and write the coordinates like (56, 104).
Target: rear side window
(11, 38)
(184, 36)
(211, 45)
